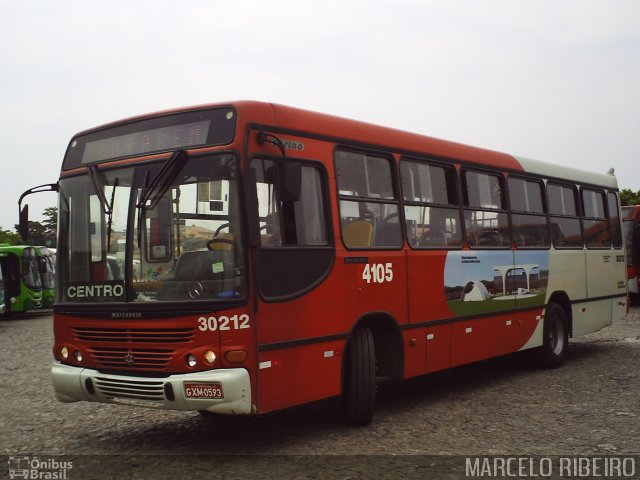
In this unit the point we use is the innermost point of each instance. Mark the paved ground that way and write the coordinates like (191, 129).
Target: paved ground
(422, 426)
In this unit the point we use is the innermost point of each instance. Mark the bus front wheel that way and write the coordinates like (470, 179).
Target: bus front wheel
(555, 337)
(359, 378)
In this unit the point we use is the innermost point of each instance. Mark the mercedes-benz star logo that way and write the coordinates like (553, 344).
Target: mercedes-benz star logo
(195, 290)
(128, 359)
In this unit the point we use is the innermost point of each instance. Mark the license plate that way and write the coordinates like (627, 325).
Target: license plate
(203, 390)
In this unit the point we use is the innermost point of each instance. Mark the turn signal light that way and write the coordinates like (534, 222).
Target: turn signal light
(235, 356)
(209, 357)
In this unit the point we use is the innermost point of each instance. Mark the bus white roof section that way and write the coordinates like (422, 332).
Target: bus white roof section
(581, 177)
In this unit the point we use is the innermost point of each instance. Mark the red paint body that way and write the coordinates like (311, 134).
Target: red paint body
(296, 347)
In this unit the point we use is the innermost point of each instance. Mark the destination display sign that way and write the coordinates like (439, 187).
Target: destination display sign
(154, 140)
(152, 135)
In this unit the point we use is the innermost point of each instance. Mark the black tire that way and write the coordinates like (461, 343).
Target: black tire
(555, 338)
(359, 379)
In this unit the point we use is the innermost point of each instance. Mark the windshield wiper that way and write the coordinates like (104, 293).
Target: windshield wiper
(107, 206)
(161, 181)
(140, 205)
(98, 188)
(158, 186)
(110, 214)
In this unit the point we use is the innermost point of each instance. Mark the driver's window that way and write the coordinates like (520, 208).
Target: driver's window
(268, 203)
(304, 220)
(369, 212)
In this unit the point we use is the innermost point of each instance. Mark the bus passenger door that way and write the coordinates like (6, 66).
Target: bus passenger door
(299, 356)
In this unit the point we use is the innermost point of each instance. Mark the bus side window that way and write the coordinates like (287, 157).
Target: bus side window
(595, 222)
(369, 207)
(485, 217)
(564, 217)
(432, 215)
(614, 219)
(528, 213)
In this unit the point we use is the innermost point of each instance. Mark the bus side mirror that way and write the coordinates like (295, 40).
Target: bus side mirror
(23, 212)
(290, 181)
(23, 226)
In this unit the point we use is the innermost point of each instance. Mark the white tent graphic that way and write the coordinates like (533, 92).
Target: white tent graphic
(475, 292)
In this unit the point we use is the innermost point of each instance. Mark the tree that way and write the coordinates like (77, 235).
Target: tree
(51, 216)
(7, 236)
(36, 235)
(51, 227)
(629, 197)
(39, 233)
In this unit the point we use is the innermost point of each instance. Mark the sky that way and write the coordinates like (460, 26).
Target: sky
(554, 80)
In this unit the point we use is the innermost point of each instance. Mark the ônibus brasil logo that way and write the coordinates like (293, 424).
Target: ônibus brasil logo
(35, 468)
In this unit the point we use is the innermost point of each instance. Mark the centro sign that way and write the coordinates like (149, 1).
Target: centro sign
(95, 291)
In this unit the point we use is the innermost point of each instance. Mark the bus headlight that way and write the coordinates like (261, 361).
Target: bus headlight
(64, 351)
(78, 355)
(191, 360)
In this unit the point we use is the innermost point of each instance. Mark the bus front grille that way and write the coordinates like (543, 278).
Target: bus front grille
(134, 335)
(143, 389)
(138, 358)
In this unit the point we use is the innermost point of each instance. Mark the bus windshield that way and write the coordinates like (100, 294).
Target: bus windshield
(30, 271)
(127, 242)
(47, 268)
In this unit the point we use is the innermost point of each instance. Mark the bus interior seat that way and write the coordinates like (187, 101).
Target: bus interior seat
(435, 238)
(204, 265)
(519, 239)
(223, 241)
(490, 238)
(265, 238)
(358, 233)
(388, 235)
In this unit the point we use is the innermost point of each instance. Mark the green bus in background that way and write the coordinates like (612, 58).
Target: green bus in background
(23, 285)
(1, 292)
(47, 269)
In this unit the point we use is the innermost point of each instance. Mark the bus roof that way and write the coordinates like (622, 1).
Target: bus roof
(567, 173)
(341, 129)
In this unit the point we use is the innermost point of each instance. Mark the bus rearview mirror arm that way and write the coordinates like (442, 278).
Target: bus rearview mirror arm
(23, 213)
(290, 173)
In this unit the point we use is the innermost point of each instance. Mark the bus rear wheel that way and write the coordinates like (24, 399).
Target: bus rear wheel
(555, 337)
(359, 378)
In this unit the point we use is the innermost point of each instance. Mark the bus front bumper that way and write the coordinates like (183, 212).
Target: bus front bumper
(226, 391)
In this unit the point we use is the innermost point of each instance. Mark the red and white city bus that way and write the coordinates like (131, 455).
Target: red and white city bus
(247, 257)
(631, 227)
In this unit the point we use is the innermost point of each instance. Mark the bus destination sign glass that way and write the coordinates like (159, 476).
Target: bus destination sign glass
(215, 126)
(156, 140)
